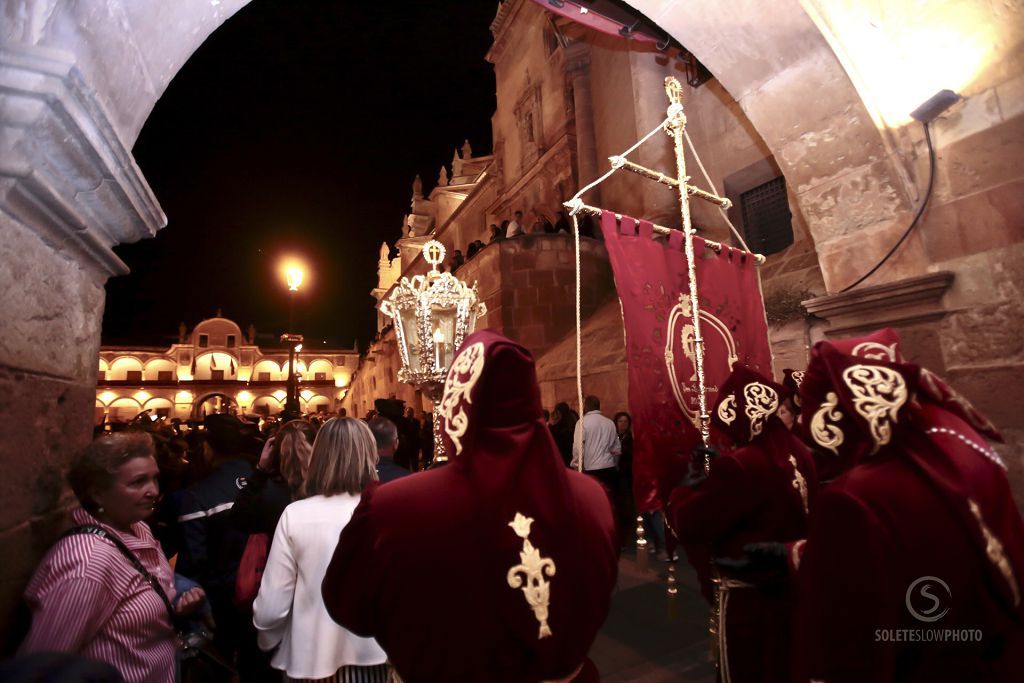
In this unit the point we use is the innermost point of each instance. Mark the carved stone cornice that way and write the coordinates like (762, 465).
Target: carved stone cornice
(912, 300)
(64, 172)
(505, 17)
(576, 57)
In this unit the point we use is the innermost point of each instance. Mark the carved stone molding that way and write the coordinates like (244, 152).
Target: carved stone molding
(912, 300)
(576, 57)
(64, 172)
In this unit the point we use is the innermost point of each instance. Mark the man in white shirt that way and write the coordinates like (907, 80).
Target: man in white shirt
(601, 448)
(516, 226)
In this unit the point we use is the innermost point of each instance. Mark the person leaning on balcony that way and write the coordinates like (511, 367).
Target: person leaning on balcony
(86, 596)
(516, 226)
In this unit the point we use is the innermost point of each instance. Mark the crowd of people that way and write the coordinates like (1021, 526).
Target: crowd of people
(539, 223)
(316, 549)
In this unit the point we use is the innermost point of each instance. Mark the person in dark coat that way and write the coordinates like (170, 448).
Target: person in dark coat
(563, 426)
(385, 434)
(211, 547)
(515, 556)
(408, 453)
(277, 481)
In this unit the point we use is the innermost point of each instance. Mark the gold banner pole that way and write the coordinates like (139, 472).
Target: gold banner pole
(676, 127)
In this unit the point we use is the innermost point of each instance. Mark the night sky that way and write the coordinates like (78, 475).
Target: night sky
(297, 129)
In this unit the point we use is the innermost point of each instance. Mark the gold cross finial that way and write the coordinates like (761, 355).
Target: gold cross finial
(433, 253)
(674, 90)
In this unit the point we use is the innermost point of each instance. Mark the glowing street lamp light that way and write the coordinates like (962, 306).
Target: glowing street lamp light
(432, 314)
(293, 276)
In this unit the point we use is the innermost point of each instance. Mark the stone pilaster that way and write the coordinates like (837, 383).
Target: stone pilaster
(577, 68)
(69, 191)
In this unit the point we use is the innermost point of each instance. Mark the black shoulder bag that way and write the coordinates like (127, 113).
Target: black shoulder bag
(191, 642)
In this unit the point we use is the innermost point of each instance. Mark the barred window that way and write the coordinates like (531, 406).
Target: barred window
(767, 220)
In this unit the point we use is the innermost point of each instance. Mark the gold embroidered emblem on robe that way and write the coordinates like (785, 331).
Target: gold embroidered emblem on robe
(799, 483)
(824, 425)
(878, 394)
(458, 390)
(727, 409)
(529, 575)
(762, 401)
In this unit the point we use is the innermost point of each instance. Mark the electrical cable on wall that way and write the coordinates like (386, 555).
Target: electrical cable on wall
(917, 215)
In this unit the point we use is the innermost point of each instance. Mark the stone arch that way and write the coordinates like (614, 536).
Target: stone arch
(159, 403)
(321, 365)
(773, 59)
(154, 366)
(273, 404)
(314, 401)
(197, 405)
(267, 365)
(123, 408)
(206, 363)
(123, 364)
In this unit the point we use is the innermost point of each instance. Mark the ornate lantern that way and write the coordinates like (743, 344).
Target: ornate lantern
(432, 314)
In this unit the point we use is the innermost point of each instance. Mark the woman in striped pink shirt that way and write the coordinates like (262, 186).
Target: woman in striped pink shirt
(86, 597)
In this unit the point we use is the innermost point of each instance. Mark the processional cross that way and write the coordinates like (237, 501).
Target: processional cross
(675, 126)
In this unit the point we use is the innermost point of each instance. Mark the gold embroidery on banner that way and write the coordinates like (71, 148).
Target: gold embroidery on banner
(995, 552)
(684, 336)
(824, 425)
(878, 394)
(799, 483)
(727, 409)
(457, 392)
(762, 401)
(529, 574)
(876, 351)
(798, 377)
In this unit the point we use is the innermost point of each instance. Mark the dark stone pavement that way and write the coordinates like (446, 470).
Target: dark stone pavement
(643, 640)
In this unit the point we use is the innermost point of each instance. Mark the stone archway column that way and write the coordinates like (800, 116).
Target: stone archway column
(69, 190)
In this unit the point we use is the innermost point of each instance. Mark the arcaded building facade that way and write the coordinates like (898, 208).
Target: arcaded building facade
(216, 368)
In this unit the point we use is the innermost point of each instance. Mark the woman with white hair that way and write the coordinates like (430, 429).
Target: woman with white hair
(289, 611)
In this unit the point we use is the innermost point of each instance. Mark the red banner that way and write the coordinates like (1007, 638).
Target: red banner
(652, 282)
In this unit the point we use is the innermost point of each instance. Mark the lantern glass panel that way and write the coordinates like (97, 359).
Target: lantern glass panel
(443, 320)
(410, 331)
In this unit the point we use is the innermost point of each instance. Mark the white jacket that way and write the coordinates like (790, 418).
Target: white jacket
(289, 609)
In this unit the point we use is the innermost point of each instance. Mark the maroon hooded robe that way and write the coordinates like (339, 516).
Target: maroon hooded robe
(503, 511)
(760, 492)
(918, 538)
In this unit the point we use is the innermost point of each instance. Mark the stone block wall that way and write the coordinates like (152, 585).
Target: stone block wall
(49, 342)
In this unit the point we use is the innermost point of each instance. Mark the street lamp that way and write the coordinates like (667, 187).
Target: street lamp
(293, 275)
(432, 314)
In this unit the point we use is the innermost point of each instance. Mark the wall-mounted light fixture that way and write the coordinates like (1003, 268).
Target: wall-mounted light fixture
(935, 105)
